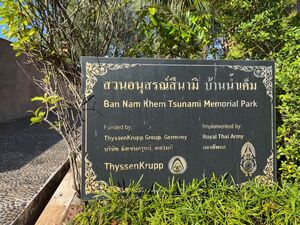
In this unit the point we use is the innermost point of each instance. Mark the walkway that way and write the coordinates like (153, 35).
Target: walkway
(28, 157)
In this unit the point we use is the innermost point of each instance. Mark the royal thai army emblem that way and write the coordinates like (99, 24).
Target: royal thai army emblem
(248, 163)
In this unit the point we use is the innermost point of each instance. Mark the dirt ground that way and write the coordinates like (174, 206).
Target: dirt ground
(75, 208)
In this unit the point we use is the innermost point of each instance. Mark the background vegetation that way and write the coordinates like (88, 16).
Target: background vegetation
(55, 33)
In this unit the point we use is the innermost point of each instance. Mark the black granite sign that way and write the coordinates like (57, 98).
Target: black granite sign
(183, 118)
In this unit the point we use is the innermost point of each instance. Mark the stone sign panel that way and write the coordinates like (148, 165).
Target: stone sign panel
(162, 118)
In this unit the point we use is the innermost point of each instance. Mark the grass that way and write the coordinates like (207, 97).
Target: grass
(214, 201)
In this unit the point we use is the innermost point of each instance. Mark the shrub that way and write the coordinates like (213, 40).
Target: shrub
(214, 201)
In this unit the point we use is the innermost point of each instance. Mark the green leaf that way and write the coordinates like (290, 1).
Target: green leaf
(152, 10)
(31, 32)
(153, 20)
(35, 120)
(41, 114)
(18, 53)
(38, 98)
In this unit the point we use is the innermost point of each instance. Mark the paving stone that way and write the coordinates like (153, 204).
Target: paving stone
(29, 155)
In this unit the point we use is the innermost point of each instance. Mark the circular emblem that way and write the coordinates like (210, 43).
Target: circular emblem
(248, 165)
(177, 165)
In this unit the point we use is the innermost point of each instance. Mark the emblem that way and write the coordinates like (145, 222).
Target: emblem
(177, 165)
(248, 163)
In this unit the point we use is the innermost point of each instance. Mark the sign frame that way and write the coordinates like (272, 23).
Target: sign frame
(94, 67)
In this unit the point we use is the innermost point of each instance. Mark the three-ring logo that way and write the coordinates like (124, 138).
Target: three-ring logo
(177, 165)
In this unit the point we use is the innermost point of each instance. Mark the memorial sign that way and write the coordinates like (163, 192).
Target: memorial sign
(184, 118)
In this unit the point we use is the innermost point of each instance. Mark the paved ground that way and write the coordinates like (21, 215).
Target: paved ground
(28, 157)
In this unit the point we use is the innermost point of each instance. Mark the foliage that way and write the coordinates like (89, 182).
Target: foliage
(288, 135)
(54, 34)
(214, 201)
(252, 29)
(42, 112)
(173, 29)
(18, 25)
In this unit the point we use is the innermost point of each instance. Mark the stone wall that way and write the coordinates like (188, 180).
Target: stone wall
(16, 85)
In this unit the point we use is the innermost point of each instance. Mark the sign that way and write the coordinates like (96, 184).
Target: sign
(160, 118)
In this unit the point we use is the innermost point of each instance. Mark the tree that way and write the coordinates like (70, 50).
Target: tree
(173, 29)
(54, 34)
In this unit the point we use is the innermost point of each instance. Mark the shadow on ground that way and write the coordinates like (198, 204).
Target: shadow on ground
(20, 142)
